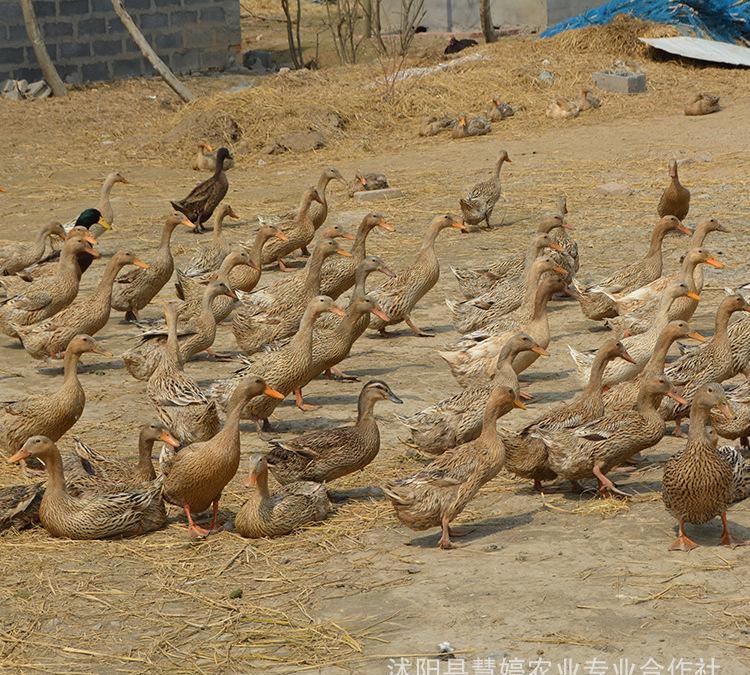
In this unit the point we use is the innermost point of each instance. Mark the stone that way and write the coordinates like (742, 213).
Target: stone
(376, 195)
(621, 82)
(301, 141)
(615, 189)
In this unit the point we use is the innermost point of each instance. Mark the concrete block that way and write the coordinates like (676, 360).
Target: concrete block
(169, 41)
(137, 5)
(94, 72)
(153, 21)
(74, 50)
(181, 17)
(621, 83)
(10, 12)
(45, 9)
(122, 68)
(101, 6)
(92, 26)
(58, 29)
(186, 61)
(107, 47)
(16, 33)
(377, 195)
(114, 25)
(73, 7)
(12, 54)
(212, 14)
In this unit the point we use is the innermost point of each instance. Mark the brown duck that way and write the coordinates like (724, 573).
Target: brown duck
(675, 200)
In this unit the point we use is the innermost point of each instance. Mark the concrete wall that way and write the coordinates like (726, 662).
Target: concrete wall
(463, 15)
(87, 41)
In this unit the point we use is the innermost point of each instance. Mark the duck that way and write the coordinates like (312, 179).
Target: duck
(675, 200)
(274, 515)
(245, 279)
(49, 414)
(433, 125)
(479, 202)
(261, 320)
(398, 296)
(474, 281)
(436, 494)
(702, 104)
(195, 337)
(738, 424)
(505, 296)
(595, 300)
(105, 203)
(367, 181)
(89, 219)
(499, 110)
(135, 289)
(473, 360)
(698, 484)
(45, 297)
(465, 127)
(205, 159)
(284, 370)
(640, 346)
(562, 109)
(323, 456)
(635, 308)
(587, 100)
(97, 517)
(181, 405)
(203, 199)
(740, 466)
(711, 363)
(624, 395)
(196, 474)
(458, 419)
(116, 475)
(526, 454)
(19, 255)
(299, 231)
(191, 289)
(48, 338)
(209, 256)
(593, 449)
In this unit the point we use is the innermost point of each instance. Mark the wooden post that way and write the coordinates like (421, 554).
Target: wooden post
(485, 18)
(49, 72)
(153, 58)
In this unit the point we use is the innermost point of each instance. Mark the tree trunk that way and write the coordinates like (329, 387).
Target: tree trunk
(153, 58)
(485, 18)
(49, 72)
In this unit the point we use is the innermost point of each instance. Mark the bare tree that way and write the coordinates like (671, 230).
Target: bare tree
(293, 33)
(49, 72)
(344, 23)
(485, 18)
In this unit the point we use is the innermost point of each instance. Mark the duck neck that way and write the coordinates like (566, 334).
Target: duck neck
(105, 205)
(687, 273)
(166, 236)
(41, 237)
(360, 281)
(498, 166)
(219, 166)
(657, 237)
(360, 242)
(104, 289)
(69, 265)
(218, 224)
(145, 467)
(55, 474)
(321, 187)
(304, 205)
(540, 304)
(489, 426)
(230, 434)
(596, 375)
(206, 304)
(173, 344)
(365, 409)
(699, 236)
(648, 402)
(302, 341)
(261, 484)
(348, 323)
(313, 272)
(533, 275)
(723, 314)
(656, 363)
(256, 253)
(70, 367)
(700, 415)
(428, 243)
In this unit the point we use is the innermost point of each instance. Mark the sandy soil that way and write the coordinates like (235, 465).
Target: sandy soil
(549, 577)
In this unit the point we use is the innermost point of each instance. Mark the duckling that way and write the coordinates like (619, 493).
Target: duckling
(205, 159)
(323, 456)
(479, 202)
(562, 109)
(291, 507)
(702, 104)
(675, 200)
(99, 517)
(440, 492)
(199, 205)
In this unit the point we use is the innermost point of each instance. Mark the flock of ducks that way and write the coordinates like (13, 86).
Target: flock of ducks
(295, 330)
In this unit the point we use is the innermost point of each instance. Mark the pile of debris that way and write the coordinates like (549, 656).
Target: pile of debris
(21, 90)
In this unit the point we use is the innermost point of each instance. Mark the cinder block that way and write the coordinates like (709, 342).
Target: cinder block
(92, 26)
(213, 14)
(169, 41)
(94, 72)
(10, 12)
(107, 47)
(186, 61)
(122, 68)
(45, 9)
(73, 7)
(58, 29)
(376, 195)
(72, 50)
(181, 17)
(153, 21)
(12, 55)
(621, 83)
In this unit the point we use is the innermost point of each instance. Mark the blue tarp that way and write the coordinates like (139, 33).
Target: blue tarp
(723, 20)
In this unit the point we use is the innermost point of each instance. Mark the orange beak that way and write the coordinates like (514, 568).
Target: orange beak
(139, 263)
(696, 336)
(346, 254)
(458, 225)
(626, 333)
(91, 252)
(169, 439)
(715, 263)
(627, 357)
(232, 214)
(273, 393)
(693, 296)
(676, 397)
(90, 238)
(683, 229)
(519, 404)
(556, 247)
(539, 350)
(386, 226)
(727, 411)
(281, 236)
(187, 222)
(231, 294)
(509, 160)
(21, 454)
(348, 236)
(251, 481)
(567, 226)
(337, 311)
(380, 314)
(559, 270)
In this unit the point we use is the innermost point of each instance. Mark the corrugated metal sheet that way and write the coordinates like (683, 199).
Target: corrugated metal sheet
(703, 50)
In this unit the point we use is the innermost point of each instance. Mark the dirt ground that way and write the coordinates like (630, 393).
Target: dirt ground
(539, 578)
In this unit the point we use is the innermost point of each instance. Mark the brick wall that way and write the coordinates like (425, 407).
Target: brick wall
(88, 42)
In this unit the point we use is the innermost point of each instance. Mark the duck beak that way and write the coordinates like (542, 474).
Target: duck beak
(20, 455)
(556, 247)
(683, 229)
(392, 397)
(208, 147)
(388, 227)
(252, 265)
(539, 350)
(251, 481)
(281, 236)
(627, 357)
(338, 311)
(273, 393)
(568, 226)
(715, 263)
(726, 410)
(348, 235)
(103, 352)
(676, 397)
(459, 225)
(139, 263)
(90, 238)
(233, 214)
(187, 222)
(346, 254)
(387, 271)
(104, 223)
(91, 252)
(626, 333)
(169, 439)
(559, 270)
(231, 294)
(696, 336)
(380, 314)
(518, 403)
(693, 296)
